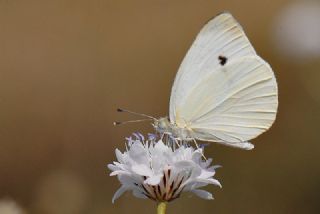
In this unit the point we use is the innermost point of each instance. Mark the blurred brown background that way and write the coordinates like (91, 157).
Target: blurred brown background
(66, 65)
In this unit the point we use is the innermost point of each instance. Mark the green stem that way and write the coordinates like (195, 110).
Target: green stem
(161, 209)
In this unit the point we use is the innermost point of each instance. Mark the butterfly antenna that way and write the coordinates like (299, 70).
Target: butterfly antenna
(135, 113)
(130, 121)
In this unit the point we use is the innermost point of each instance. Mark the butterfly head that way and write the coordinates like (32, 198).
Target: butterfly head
(162, 125)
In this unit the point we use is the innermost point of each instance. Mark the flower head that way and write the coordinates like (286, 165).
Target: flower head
(161, 170)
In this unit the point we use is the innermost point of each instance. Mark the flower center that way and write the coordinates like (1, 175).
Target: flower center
(169, 188)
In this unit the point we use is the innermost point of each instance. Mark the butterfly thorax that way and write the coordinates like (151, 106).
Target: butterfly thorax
(164, 126)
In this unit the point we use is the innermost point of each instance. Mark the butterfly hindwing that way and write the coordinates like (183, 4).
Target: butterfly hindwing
(235, 104)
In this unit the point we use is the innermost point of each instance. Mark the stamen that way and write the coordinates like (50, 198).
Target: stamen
(164, 180)
(155, 192)
(178, 187)
(159, 190)
(149, 191)
(164, 196)
(149, 196)
(171, 186)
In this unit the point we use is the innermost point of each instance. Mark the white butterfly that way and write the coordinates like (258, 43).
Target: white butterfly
(223, 91)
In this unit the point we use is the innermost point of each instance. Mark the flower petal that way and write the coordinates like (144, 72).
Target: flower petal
(202, 194)
(206, 174)
(112, 167)
(119, 156)
(154, 180)
(209, 181)
(139, 194)
(127, 179)
(119, 172)
(207, 163)
(213, 168)
(119, 192)
(197, 156)
(142, 170)
(138, 153)
(183, 164)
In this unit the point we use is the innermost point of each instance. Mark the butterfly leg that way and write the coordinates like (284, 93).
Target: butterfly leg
(197, 146)
(176, 142)
(167, 138)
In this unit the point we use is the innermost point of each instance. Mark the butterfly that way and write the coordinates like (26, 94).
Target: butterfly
(223, 91)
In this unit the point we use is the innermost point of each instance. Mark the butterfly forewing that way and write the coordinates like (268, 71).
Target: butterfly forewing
(222, 37)
(223, 91)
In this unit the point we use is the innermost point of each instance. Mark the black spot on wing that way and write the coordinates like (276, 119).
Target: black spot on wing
(222, 60)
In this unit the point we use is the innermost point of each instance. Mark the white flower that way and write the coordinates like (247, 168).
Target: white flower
(161, 171)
